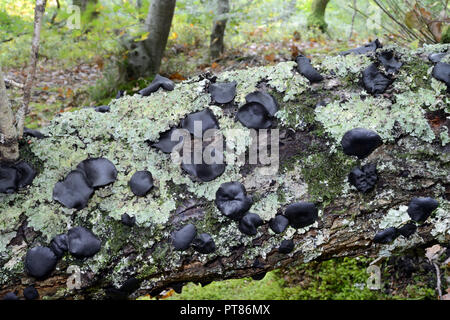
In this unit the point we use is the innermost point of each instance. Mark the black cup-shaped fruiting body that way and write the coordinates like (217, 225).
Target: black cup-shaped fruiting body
(59, 245)
(182, 239)
(223, 92)
(120, 94)
(127, 220)
(249, 224)
(259, 276)
(386, 236)
(364, 178)
(374, 81)
(419, 209)
(437, 57)
(305, 68)
(286, 246)
(232, 200)
(30, 293)
(207, 169)
(301, 214)
(360, 142)
(10, 296)
(158, 82)
(102, 109)
(168, 140)
(441, 72)
(204, 243)
(279, 223)
(141, 183)
(9, 179)
(33, 133)
(370, 47)
(198, 122)
(82, 243)
(40, 262)
(408, 229)
(390, 63)
(130, 285)
(99, 171)
(26, 174)
(74, 191)
(265, 99)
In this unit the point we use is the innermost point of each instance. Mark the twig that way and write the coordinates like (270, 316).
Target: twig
(20, 117)
(353, 20)
(438, 280)
(12, 83)
(58, 6)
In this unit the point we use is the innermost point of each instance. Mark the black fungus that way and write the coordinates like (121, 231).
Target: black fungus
(141, 183)
(390, 62)
(265, 99)
(120, 94)
(223, 92)
(279, 224)
(177, 287)
(370, 47)
(301, 214)
(74, 191)
(250, 223)
(99, 171)
(40, 262)
(30, 293)
(10, 296)
(26, 174)
(167, 141)
(437, 57)
(182, 238)
(198, 122)
(286, 246)
(374, 80)
(9, 178)
(254, 115)
(204, 243)
(232, 200)
(408, 229)
(102, 109)
(441, 72)
(33, 133)
(364, 178)
(259, 276)
(360, 142)
(115, 294)
(203, 171)
(82, 243)
(130, 286)
(305, 68)
(158, 82)
(386, 236)
(127, 220)
(419, 209)
(59, 245)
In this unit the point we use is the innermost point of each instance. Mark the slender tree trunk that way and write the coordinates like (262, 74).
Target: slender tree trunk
(9, 146)
(23, 111)
(145, 56)
(218, 32)
(317, 17)
(83, 3)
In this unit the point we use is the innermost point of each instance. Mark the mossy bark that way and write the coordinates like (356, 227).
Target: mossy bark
(316, 19)
(413, 161)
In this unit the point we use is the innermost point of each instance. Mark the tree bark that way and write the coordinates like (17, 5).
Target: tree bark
(9, 146)
(145, 57)
(83, 3)
(23, 111)
(216, 45)
(312, 168)
(317, 17)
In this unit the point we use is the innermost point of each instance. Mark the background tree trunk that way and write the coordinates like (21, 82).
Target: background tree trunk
(216, 46)
(83, 3)
(145, 56)
(9, 146)
(316, 18)
(312, 168)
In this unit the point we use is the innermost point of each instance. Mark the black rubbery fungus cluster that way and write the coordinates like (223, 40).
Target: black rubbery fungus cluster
(259, 110)
(370, 47)
(204, 243)
(279, 223)
(301, 214)
(167, 141)
(250, 223)
(232, 200)
(390, 63)
(80, 242)
(223, 92)
(76, 189)
(386, 236)
(202, 120)
(182, 239)
(364, 178)
(141, 183)
(15, 176)
(374, 80)
(441, 72)
(305, 68)
(158, 82)
(360, 142)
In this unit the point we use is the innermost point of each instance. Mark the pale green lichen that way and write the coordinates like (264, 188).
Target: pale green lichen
(445, 139)
(343, 66)
(395, 218)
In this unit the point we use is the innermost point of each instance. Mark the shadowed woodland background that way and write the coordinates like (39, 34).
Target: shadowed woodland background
(121, 45)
